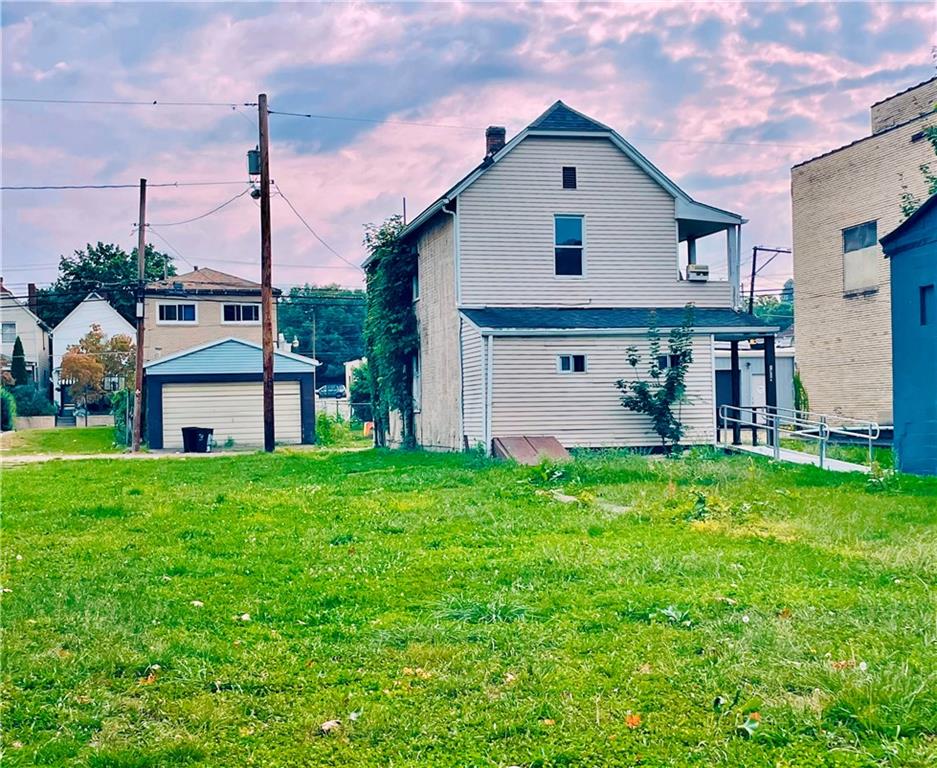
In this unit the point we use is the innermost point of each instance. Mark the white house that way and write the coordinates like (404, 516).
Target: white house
(18, 318)
(92, 310)
(540, 268)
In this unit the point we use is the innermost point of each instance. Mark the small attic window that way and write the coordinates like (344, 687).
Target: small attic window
(569, 177)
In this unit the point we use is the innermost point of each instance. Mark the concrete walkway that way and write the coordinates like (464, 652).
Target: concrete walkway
(17, 460)
(799, 457)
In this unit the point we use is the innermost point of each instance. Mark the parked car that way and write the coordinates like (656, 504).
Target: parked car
(331, 390)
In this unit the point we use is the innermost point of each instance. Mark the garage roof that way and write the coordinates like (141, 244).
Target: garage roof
(228, 356)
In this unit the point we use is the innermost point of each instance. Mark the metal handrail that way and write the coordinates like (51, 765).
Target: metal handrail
(798, 424)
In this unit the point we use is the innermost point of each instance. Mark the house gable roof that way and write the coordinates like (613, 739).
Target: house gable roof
(916, 230)
(229, 355)
(560, 117)
(205, 280)
(7, 295)
(564, 121)
(105, 307)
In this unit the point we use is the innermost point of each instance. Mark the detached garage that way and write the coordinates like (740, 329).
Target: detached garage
(220, 386)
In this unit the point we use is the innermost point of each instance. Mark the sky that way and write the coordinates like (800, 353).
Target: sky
(723, 97)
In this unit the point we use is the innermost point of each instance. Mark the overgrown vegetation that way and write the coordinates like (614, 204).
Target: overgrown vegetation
(391, 336)
(7, 410)
(909, 201)
(32, 401)
(801, 398)
(664, 389)
(443, 610)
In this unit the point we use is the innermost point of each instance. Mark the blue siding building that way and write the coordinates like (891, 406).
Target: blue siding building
(912, 251)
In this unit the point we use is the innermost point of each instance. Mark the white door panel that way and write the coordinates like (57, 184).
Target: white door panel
(233, 410)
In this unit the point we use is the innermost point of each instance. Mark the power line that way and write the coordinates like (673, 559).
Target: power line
(121, 186)
(314, 233)
(204, 215)
(127, 103)
(171, 246)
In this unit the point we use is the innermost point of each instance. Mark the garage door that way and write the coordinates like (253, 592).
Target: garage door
(233, 410)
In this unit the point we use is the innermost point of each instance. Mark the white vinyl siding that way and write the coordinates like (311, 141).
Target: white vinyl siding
(472, 387)
(232, 409)
(507, 230)
(531, 397)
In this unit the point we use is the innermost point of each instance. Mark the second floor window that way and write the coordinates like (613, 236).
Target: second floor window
(567, 246)
(240, 313)
(9, 333)
(177, 313)
(859, 237)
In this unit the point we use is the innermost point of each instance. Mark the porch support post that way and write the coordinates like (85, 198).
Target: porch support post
(691, 250)
(733, 245)
(771, 383)
(736, 392)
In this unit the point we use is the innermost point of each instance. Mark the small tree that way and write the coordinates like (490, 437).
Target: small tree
(86, 375)
(665, 387)
(116, 354)
(18, 364)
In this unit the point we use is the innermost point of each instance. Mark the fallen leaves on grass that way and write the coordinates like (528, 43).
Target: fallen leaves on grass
(151, 674)
(330, 726)
(633, 720)
(417, 672)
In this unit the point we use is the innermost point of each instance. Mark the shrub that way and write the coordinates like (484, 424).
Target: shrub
(7, 409)
(31, 401)
(122, 408)
(325, 429)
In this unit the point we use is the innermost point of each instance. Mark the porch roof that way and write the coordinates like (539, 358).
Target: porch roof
(724, 322)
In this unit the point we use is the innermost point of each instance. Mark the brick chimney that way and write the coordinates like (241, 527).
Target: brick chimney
(32, 300)
(494, 139)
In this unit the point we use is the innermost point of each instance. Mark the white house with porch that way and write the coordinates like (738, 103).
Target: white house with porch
(541, 267)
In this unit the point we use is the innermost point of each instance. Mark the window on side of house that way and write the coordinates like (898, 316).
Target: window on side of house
(860, 236)
(568, 248)
(571, 363)
(240, 313)
(928, 302)
(177, 313)
(861, 260)
(569, 177)
(416, 383)
(667, 361)
(8, 333)
(415, 285)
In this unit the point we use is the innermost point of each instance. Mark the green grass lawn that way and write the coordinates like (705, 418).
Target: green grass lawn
(76, 440)
(451, 612)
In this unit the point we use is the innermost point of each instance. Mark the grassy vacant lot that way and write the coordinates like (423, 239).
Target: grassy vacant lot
(82, 440)
(451, 612)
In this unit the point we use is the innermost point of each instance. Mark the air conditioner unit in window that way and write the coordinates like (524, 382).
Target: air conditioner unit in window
(698, 273)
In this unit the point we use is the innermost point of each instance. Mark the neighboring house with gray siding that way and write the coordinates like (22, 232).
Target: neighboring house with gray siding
(19, 318)
(540, 268)
(842, 202)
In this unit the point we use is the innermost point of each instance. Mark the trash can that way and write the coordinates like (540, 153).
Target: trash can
(196, 439)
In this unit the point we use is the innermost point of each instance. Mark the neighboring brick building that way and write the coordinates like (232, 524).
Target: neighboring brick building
(843, 202)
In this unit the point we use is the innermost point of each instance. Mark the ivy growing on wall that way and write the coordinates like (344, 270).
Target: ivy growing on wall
(909, 201)
(391, 335)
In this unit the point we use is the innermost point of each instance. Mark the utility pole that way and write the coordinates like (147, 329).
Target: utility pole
(266, 288)
(751, 289)
(141, 285)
